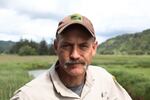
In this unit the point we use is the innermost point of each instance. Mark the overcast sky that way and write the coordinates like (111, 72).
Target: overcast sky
(38, 19)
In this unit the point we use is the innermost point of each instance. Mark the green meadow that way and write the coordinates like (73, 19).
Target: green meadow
(132, 72)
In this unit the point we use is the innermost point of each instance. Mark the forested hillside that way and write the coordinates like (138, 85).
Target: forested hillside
(137, 43)
(5, 46)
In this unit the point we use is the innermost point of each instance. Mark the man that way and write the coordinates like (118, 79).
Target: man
(72, 77)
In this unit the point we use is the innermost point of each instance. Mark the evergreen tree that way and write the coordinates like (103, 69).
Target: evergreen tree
(24, 43)
(51, 50)
(43, 48)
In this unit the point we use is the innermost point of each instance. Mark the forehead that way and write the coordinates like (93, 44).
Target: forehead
(76, 31)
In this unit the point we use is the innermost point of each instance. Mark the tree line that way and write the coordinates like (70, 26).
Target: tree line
(26, 47)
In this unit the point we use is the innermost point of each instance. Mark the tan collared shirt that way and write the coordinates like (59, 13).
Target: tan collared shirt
(99, 85)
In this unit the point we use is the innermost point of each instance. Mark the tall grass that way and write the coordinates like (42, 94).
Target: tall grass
(132, 72)
(13, 71)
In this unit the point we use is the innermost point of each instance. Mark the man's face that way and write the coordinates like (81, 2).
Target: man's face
(75, 49)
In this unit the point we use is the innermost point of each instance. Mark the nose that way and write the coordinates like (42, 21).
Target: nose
(75, 55)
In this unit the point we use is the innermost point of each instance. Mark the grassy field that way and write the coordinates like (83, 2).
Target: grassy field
(132, 72)
(13, 71)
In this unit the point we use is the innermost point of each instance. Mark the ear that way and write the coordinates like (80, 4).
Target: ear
(95, 44)
(55, 45)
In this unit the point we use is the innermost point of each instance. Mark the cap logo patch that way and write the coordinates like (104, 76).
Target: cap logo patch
(76, 17)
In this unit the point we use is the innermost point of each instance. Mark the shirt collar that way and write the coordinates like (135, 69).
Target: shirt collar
(63, 90)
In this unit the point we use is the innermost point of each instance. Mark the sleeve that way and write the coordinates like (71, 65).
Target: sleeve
(118, 92)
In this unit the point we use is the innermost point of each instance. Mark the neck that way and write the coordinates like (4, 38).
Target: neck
(68, 80)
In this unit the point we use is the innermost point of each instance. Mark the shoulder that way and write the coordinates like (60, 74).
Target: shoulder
(107, 82)
(42, 80)
(101, 76)
(99, 71)
(33, 88)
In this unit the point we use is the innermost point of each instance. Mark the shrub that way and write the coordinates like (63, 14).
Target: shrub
(27, 50)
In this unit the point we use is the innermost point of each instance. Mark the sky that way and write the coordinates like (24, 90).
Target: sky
(38, 19)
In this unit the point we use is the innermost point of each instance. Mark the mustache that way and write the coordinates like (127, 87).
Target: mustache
(71, 62)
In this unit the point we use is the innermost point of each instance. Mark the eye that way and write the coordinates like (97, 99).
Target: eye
(84, 46)
(65, 46)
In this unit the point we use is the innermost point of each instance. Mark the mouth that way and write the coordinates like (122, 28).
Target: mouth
(74, 64)
(68, 63)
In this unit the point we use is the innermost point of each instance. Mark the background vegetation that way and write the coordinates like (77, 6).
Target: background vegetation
(14, 71)
(132, 44)
(27, 47)
(132, 72)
